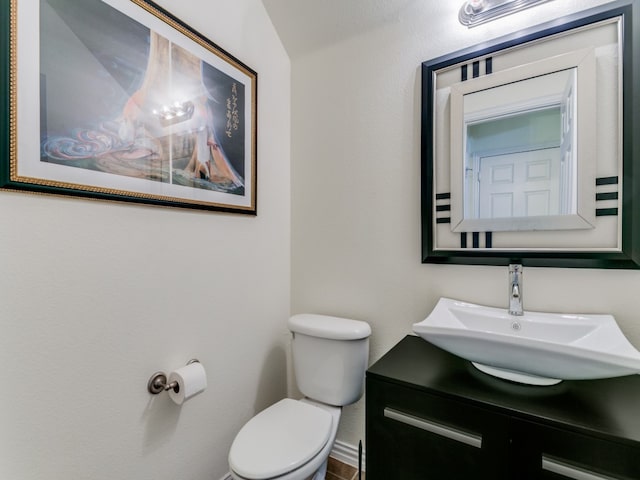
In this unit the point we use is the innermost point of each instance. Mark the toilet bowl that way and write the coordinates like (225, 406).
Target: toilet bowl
(292, 439)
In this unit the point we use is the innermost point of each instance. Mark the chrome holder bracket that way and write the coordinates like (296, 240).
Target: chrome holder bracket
(158, 381)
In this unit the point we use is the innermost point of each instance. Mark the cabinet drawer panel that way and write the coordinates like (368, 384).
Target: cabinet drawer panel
(415, 435)
(562, 454)
(396, 450)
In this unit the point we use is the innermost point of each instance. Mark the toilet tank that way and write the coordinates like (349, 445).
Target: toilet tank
(330, 356)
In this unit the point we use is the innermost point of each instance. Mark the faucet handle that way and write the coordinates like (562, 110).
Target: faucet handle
(515, 268)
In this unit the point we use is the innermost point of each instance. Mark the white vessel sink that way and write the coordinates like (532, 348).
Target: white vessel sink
(535, 348)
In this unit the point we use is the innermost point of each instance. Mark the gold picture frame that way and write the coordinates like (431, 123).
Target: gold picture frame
(120, 100)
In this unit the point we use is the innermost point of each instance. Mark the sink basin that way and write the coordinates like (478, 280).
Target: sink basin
(535, 348)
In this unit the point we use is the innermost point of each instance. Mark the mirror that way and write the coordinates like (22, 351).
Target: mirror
(512, 160)
(528, 152)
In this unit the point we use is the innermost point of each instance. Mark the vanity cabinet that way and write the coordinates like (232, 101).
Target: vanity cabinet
(431, 416)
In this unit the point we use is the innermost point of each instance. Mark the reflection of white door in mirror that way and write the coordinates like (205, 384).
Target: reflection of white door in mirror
(512, 160)
(522, 124)
(523, 184)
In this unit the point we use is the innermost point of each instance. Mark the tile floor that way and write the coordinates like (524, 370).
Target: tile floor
(341, 471)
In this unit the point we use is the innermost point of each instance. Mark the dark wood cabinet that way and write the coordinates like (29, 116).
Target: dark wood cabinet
(431, 415)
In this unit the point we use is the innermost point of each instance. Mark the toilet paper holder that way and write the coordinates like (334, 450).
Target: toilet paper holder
(158, 381)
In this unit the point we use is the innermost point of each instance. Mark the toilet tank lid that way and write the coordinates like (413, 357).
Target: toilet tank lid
(332, 328)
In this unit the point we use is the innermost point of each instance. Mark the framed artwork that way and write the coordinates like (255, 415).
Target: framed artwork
(120, 100)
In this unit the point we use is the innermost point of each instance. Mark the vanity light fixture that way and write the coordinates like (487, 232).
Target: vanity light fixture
(475, 12)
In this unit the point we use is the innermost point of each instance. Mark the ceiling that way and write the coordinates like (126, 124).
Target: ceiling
(307, 25)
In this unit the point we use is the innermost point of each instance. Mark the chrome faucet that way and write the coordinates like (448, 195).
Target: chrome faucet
(515, 289)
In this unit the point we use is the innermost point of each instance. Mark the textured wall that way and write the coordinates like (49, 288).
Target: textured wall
(95, 297)
(356, 188)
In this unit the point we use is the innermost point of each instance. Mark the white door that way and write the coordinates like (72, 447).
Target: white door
(520, 184)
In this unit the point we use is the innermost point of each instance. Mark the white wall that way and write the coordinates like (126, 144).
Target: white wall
(356, 188)
(95, 297)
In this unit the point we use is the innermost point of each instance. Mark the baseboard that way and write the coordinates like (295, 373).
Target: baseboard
(347, 453)
(342, 451)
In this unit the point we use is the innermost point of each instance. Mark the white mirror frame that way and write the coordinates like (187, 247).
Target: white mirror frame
(584, 61)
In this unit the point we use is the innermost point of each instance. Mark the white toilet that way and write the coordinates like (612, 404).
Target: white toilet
(292, 439)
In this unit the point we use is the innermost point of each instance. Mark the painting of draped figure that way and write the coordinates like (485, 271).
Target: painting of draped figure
(136, 105)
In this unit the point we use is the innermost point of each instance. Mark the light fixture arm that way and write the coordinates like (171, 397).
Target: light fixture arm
(476, 12)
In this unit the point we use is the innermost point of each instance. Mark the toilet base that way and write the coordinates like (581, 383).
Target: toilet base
(322, 471)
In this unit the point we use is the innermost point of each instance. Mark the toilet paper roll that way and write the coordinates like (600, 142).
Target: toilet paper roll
(191, 380)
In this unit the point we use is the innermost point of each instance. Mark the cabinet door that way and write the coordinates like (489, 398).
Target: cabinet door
(412, 435)
(548, 453)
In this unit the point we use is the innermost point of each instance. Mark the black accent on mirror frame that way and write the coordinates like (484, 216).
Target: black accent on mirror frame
(629, 256)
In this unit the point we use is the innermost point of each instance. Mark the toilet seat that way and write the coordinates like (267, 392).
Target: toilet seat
(280, 439)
